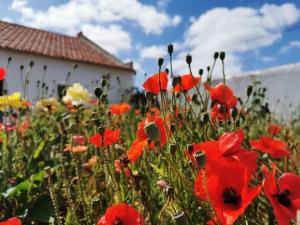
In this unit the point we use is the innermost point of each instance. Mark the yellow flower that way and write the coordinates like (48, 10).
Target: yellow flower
(49, 104)
(77, 94)
(14, 101)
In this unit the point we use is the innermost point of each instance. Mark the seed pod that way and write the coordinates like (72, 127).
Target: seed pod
(160, 62)
(170, 49)
(98, 92)
(188, 59)
(152, 131)
(216, 55)
(222, 56)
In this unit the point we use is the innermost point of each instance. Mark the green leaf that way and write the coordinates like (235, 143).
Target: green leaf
(37, 152)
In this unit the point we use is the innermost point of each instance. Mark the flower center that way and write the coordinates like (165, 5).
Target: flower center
(222, 108)
(117, 222)
(283, 198)
(230, 196)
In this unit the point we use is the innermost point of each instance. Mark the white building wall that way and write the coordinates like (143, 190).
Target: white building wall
(57, 70)
(282, 83)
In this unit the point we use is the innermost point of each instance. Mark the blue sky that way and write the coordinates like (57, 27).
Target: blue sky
(255, 34)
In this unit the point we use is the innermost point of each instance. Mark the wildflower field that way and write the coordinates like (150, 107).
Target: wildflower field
(187, 152)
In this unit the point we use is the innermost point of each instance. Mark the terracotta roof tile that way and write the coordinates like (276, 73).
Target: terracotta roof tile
(35, 41)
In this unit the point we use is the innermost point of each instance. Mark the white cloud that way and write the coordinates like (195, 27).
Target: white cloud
(289, 46)
(267, 58)
(153, 52)
(235, 31)
(118, 40)
(163, 3)
(75, 12)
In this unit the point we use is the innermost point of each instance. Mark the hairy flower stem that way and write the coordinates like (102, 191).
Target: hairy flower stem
(54, 201)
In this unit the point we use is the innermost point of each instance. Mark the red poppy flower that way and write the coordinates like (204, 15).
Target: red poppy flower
(12, 221)
(136, 150)
(284, 198)
(110, 137)
(121, 213)
(226, 186)
(223, 95)
(275, 148)
(187, 82)
(152, 83)
(228, 148)
(78, 139)
(118, 109)
(274, 129)
(141, 134)
(2, 73)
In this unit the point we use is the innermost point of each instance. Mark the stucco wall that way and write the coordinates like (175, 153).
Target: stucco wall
(282, 83)
(57, 70)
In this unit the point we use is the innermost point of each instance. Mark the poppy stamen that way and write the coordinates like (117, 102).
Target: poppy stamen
(230, 196)
(283, 198)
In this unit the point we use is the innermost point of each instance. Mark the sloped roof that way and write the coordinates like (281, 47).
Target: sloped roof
(79, 49)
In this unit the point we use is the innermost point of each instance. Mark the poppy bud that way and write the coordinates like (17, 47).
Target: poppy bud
(167, 70)
(104, 82)
(31, 64)
(249, 90)
(170, 49)
(195, 98)
(98, 92)
(22, 67)
(201, 72)
(176, 80)
(75, 66)
(216, 55)
(190, 148)
(200, 159)
(208, 68)
(152, 131)
(234, 112)
(180, 218)
(188, 59)
(222, 55)
(160, 62)
(9, 59)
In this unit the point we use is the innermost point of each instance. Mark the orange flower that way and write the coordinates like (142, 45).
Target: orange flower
(118, 109)
(75, 149)
(187, 82)
(136, 150)
(91, 163)
(152, 83)
(110, 137)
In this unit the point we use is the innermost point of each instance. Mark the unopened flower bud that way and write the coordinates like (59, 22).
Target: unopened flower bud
(169, 191)
(22, 67)
(98, 92)
(200, 159)
(152, 131)
(104, 82)
(188, 59)
(170, 49)
(222, 55)
(234, 112)
(201, 72)
(160, 62)
(31, 64)
(249, 90)
(204, 119)
(216, 55)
